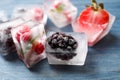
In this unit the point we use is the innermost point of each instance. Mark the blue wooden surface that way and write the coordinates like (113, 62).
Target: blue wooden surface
(102, 63)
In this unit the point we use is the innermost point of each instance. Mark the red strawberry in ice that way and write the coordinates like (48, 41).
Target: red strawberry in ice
(26, 36)
(24, 29)
(18, 36)
(57, 4)
(93, 21)
(68, 16)
(24, 32)
(95, 15)
(38, 47)
(37, 14)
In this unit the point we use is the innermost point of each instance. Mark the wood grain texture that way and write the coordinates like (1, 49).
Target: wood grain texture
(102, 63)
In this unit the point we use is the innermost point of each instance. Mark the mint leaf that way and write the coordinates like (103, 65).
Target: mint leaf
(60, 8)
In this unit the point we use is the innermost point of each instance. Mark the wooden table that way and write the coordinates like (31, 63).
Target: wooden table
(102, 63)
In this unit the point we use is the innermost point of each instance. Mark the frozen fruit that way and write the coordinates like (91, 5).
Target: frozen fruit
(65, 42)
(33, 13)
(24, 33)
(38, 14)
(26, 36)
(38, 47)
(66, 48)
(24, 29)
(95, 14)
(30, 42)
(7, 45)
(61, 12)
(94, 21)
(64, 56)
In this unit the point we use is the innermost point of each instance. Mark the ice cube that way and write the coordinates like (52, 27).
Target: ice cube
(30, 43)
(34, 13)
(106, 31)
(57, 55)
(94, 32)
(60, 12)
(7, 45)
(3, 16)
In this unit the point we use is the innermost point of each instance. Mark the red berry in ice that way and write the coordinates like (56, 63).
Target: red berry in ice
(38, 14)
(24, 29)
(24, 32)
(38, 47)
(18, 36)
(26, 36)
(94, 14)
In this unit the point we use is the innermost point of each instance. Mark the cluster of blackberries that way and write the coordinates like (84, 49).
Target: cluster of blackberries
(64, 56)
(8, 46)
(64, 42)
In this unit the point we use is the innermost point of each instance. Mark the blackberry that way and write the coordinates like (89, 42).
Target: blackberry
(64, 42)
(8, 45)
(8, 30)
(64, 56)
(9, 42)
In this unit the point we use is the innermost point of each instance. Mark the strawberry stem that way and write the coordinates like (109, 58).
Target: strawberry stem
(94, 5)
(94, 1)
(101, 5)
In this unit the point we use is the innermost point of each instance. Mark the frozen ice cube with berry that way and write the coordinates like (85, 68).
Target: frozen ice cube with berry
(7, 46)
(60, 12)
(30, 43)
(66, 48)
(94, 21)
(34, 13)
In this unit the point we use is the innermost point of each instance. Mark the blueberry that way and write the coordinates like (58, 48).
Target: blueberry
(75, 46)
(59, 37)
(66, 39)
(54, 41)
(71, 41)
(60, 45)
(69, 48)
(54, 36)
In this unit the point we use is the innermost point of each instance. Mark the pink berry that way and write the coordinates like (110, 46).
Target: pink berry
(26, 36)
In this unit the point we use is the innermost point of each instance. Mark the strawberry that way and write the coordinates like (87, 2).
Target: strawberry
(18, 36)
(68, 16)
(38, 47)
(26, 36)
(24, 32)
(93, 21)
(38, 14)
(57, 4)
(94, 14)
(24, 29)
